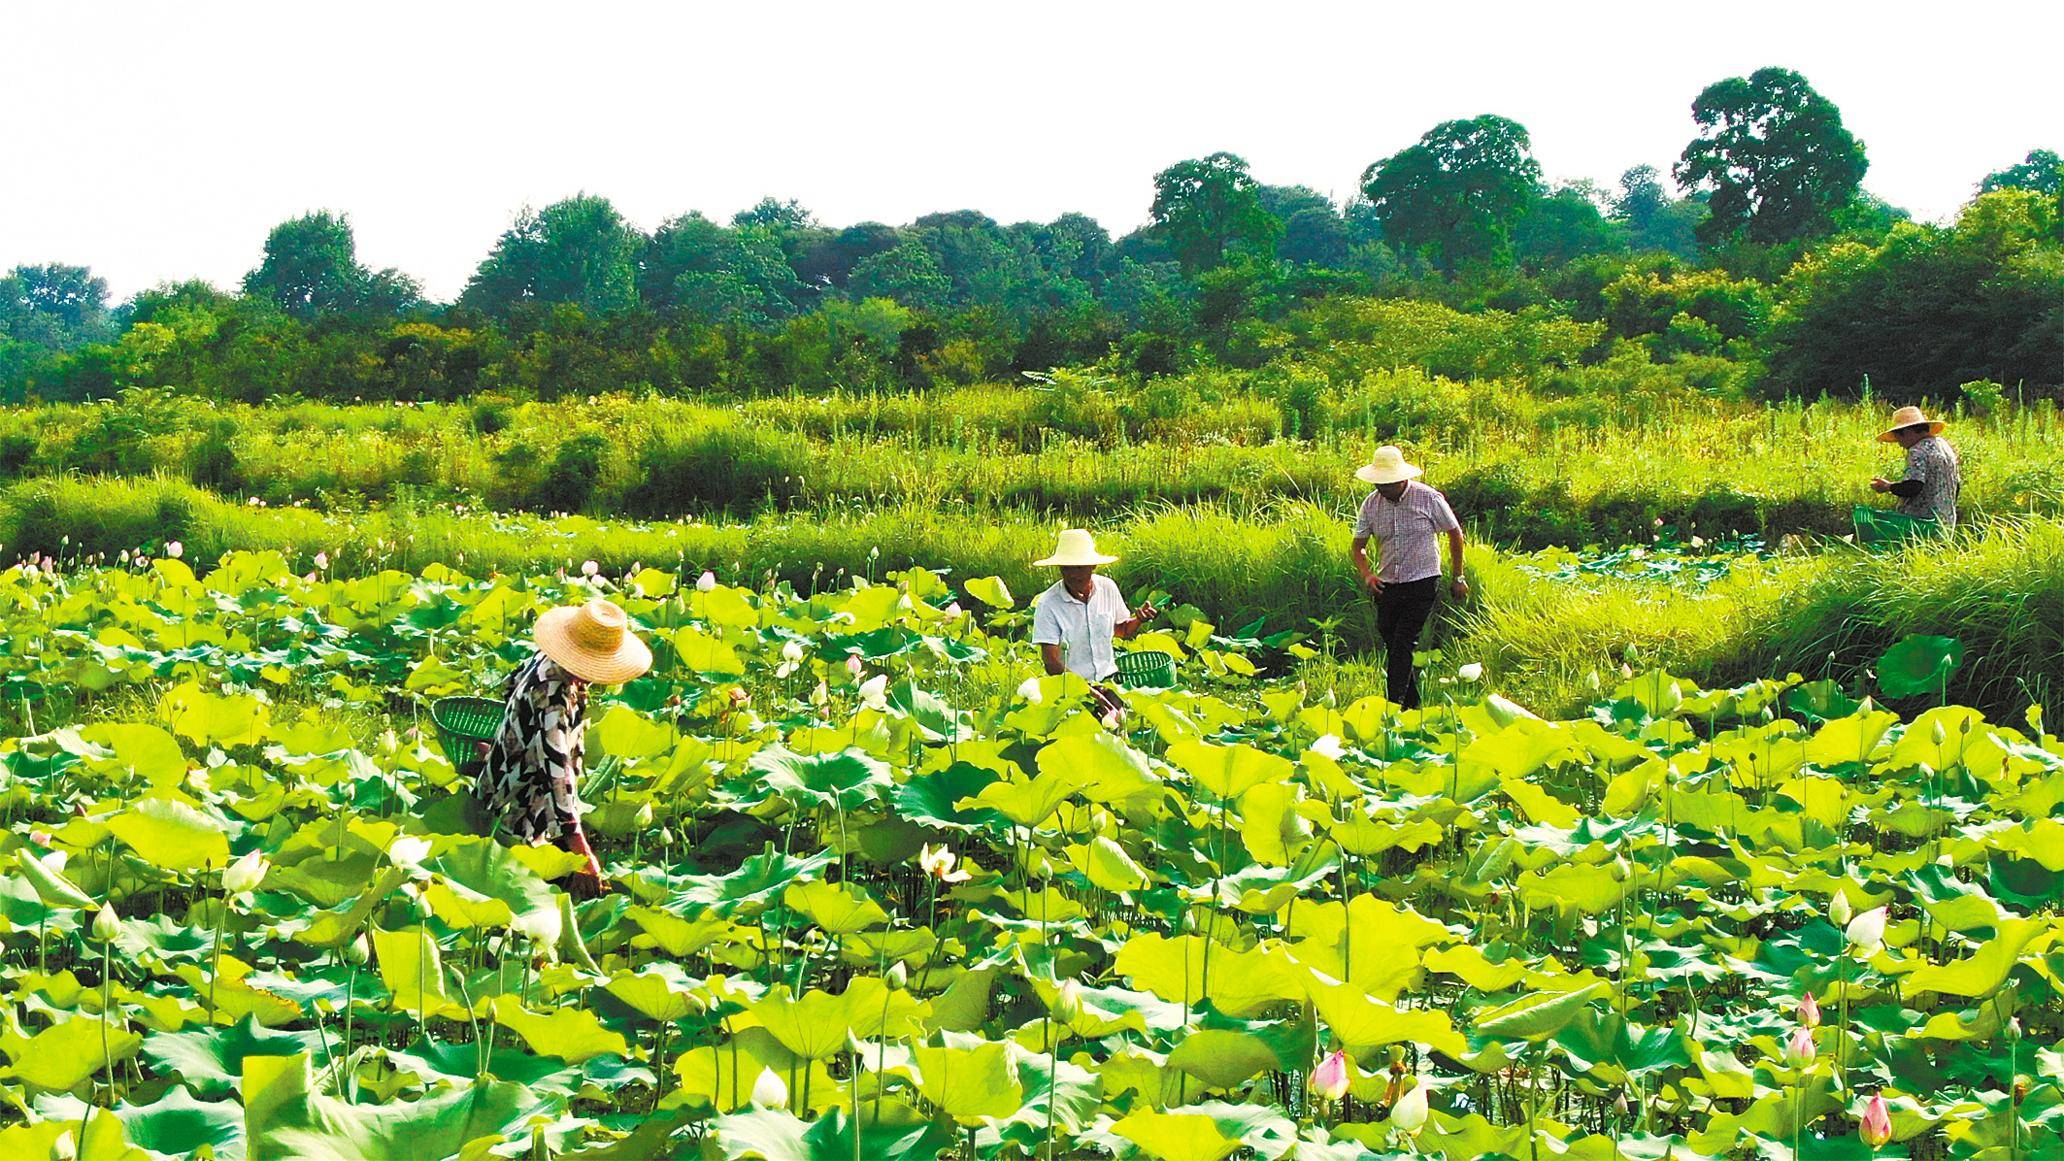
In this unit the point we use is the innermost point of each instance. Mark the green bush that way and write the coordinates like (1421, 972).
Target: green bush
(726, 468)
(569, 483)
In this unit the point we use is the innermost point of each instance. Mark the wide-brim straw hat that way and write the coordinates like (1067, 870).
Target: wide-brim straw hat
(1907, 417)
(594, 642)
(1074, 547)
(1388, 466)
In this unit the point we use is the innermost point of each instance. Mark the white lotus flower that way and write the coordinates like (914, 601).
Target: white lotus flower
(1030, 693)
(770, 1091)
(939, 863)
(245, 874)
(874, 692)
(1329, 746)
(1408, 1115)
(1866, 932)
(792, 651)
(589, 568)
(707, 582)
(322, 560)
(408, 851)
(175, 550)
(1471, 672)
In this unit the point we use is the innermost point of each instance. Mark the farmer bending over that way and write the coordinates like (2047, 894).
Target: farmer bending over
(1077, 619)
(1404, 516)
(529, 785)
(1933, 476)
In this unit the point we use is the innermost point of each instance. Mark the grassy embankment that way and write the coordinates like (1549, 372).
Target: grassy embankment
(2000, 588)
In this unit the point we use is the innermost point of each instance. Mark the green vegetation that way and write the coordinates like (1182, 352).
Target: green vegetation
(868, 898)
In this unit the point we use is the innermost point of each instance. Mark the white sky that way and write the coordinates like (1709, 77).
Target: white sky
(162, 140)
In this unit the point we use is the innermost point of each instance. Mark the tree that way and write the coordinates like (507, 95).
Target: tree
(576, 251)
(1566, 224)
(310, 267)
(1655, 220)
(781, 216)
(1456, 194)
(1775, 156)
(2042, 172)
(829, 258)
(54, 306)
(1208, 207)
(907, 273)
(696, 268)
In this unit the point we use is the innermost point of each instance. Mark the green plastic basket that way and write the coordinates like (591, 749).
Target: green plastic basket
(1878, 527)
(1146, 669)
(462, 721)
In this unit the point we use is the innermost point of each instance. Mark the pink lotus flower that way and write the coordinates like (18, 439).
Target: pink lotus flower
(1798, 1051)
(1330, 1078)
(1809, 1012)
(1875, 1127)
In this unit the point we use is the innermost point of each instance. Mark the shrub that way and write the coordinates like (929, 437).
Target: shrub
(569, 483)
(727, 468)
(17, 453)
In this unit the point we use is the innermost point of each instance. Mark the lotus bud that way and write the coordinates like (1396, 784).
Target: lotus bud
(589, 568)
(1471, 672)
(1866, 932)
(1809, 1012)
(322, 561)
(63, 1148)
(358, 951)
(1626, 671)
(1067, 1006)
(1621, 1109)
(175, 550)
(874, 692)
(1937, 734)
(854, 665)
(897, 977)
(1798, 1049)
(707, 582)
(1875, 1126)
(770, 1091)
(643, 818)
(1330, 1079)
(245, 874)
(1838, 910)
(1408, 1115)
(2014, 1027)
(1029, 691)
(106, 925)
(821, 694)
(1594, 681)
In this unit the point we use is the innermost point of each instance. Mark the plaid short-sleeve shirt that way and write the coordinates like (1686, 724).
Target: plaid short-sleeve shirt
(1405, 529)
(1934, 463)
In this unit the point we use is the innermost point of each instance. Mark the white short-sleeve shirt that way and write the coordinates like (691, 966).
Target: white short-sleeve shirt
(1083, 629)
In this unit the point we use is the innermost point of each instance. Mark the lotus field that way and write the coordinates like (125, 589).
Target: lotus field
(879, 893)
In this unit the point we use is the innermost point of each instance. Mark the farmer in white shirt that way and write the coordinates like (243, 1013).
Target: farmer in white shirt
(1405, 517)
(1077, 619)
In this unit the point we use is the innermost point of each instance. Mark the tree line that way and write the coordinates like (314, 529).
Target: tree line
(572, 298)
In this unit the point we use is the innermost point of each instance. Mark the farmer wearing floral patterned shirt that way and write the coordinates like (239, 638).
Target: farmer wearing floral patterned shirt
(530, 781)
(1934, 478)
(1404, 516)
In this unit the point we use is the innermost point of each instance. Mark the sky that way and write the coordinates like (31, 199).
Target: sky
(155, 141)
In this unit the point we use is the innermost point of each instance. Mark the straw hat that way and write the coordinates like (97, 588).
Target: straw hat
(1387, 466)
(593, 642)
(1075, 547)
(1907, 417)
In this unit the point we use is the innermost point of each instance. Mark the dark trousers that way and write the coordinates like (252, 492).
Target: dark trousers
(1401, 612)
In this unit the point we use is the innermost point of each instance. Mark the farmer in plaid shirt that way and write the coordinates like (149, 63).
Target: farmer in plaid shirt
(1404, 516)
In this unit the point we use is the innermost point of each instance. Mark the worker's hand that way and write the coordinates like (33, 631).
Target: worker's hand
(1880, 485)
(587, 883)
(1146, 613)
(1371, 582)
(482, 749)
(1459, 589)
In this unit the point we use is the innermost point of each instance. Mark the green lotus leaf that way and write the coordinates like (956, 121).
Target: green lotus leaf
(210, 1060)
(285, 1115)
(969, 1083)
(1179, 1136)
(1919, 664)
(172, 835)
(66, 1054)
(991, 591)
(1227, 772)
(1537, 1015)
(849, 777)
(570, 1034)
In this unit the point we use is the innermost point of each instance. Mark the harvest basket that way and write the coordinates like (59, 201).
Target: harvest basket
(1876, 527)
(1146, 669)
(462, 721)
